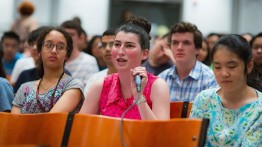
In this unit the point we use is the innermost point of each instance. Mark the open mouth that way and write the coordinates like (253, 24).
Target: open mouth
(121, 60)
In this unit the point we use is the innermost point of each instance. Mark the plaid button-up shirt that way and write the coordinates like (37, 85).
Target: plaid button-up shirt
(200, 78)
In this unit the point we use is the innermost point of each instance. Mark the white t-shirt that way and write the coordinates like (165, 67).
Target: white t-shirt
(95, 77)
(21, 65)
(83, 67)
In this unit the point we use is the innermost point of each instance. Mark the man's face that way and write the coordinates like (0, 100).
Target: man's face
(107, 43)
(183, 47)
(10, 46)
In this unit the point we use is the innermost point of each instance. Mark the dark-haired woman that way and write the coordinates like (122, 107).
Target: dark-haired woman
(55, 91)
(113, 95)
(234, 109)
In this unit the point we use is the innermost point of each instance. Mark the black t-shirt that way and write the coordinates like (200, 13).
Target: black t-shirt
(156, 70)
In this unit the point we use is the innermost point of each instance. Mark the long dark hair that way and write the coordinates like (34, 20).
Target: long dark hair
(235, 44)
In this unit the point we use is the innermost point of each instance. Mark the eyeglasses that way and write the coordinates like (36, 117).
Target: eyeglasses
(104, 44)
(60, 48)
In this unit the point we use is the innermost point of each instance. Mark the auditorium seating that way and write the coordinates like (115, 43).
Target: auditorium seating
(180, 109)
(82, 130)
(42, 129)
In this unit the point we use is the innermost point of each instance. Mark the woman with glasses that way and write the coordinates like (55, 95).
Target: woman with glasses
(55, 91)
(117, 95)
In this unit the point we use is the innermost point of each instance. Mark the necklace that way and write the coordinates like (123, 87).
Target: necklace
(52, 97)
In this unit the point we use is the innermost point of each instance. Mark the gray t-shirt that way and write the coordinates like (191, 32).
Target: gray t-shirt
(26, 95)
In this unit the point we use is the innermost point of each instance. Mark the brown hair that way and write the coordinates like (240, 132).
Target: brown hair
(26, 8)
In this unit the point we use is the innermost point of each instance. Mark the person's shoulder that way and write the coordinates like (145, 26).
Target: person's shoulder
(102, 74)
(4, 83)
(72, 81)
(207, 95)
(25, 63)
(209, 91)
(3, 80)
(86, 56)
(27, 85)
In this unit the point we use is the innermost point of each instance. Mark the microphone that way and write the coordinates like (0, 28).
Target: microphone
(138, 83)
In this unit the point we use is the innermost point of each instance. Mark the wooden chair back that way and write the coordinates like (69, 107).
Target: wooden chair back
(32, 129)
(180, 109)
(100, 131)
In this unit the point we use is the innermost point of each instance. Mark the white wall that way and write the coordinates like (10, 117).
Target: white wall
(6, 14)
(208, 15)
(93, 13)
(250, 19)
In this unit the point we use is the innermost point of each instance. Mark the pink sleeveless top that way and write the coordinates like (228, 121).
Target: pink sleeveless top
(112, 102)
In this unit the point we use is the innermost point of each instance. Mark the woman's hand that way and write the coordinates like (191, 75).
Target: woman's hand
(141, 71)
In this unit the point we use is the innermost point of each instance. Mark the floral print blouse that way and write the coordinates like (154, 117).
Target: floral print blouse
(238, 127)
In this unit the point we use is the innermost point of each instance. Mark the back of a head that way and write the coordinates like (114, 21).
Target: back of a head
(10, 35)
(140, 26)
(71, 24)
(26, 8)
(33, 36)
(184, 27)
(109, 32)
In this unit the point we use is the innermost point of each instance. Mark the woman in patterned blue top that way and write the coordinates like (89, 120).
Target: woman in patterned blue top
(55, 91)
(234, 109)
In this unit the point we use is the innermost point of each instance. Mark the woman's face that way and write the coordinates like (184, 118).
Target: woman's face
(54, 50)
(257, 50)
(203, 52)
(229, 70)
(127, 52)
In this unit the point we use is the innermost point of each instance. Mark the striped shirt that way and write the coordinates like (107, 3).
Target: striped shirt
(200, 78)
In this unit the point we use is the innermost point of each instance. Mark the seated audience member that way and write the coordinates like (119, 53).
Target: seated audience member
(160, 56)
(80, 64)
(255, 77)
(204, 53)
(93, 49)
(10, 42)
(28, 62)
(188, 76)
(55, 91)
(31, 73)
(212, 38)
(234, 109)
(114, 94)
(105, 46)
(6, 90)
